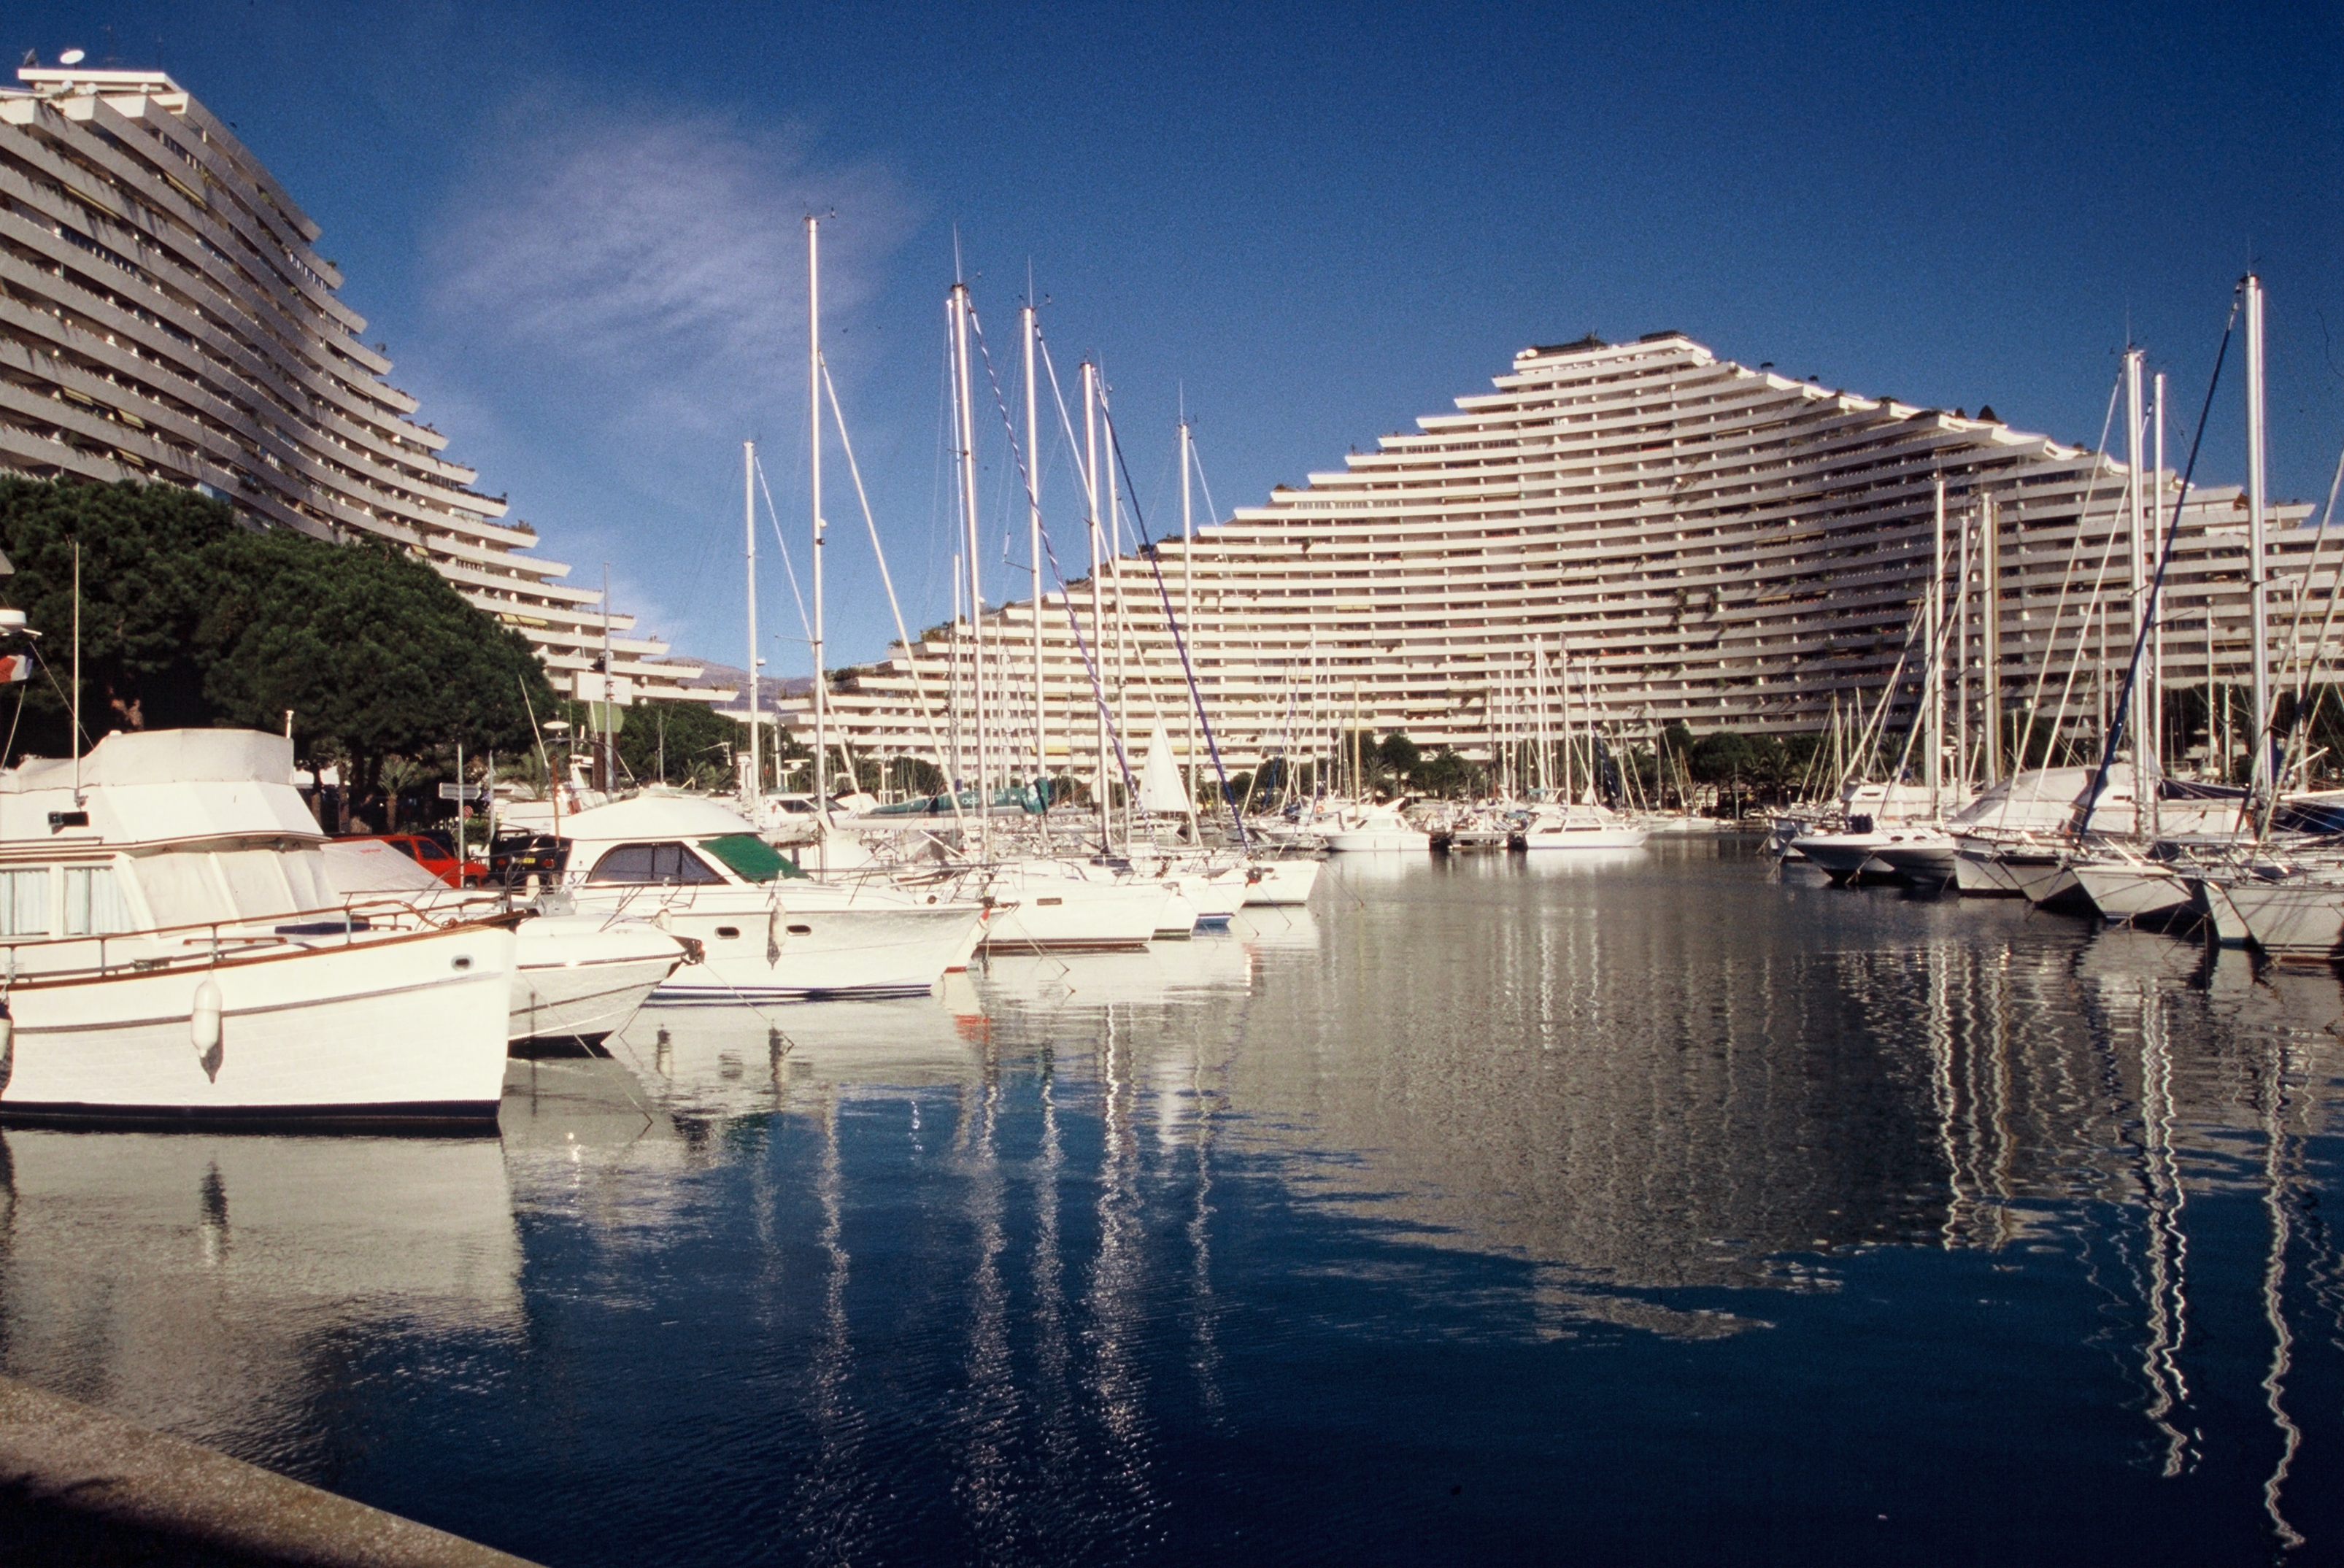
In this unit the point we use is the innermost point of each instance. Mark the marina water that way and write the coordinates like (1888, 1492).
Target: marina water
(1664, 1208)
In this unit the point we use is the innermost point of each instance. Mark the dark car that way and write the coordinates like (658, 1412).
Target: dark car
(515, 857)
(436, 858)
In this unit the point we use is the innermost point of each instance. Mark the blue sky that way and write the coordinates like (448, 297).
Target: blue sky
(578, 229)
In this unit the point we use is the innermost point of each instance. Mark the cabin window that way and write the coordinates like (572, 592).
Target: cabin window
(93, 902)
(25, 903)
(656, 863)
(256, 883)
(180, 888)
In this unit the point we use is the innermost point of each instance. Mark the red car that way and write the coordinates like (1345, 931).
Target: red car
(435, 857)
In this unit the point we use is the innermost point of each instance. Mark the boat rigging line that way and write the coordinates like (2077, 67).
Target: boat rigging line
(2155, 587)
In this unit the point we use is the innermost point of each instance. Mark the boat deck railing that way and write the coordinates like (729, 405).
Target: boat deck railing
(206, 943)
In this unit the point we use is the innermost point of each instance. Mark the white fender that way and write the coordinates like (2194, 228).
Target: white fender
(204, 1029)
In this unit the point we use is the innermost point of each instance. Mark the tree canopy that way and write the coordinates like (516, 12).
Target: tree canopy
(692, 742)
(190, 619)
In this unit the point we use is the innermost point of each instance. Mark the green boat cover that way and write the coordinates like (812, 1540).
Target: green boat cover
(750, 857)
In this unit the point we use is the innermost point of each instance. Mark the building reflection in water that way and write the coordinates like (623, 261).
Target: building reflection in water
(1009, 1226)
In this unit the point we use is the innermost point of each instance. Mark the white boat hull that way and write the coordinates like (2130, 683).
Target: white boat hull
(1282, 882)
(2221, 914)
(1841, 854)
(823, 943)
(1068, 913)
(2124, 892)
(1177, 922)
(1217, 895)
(1377, 841)
(1918, 857)
(577, 978)
(1981, 873)
(393, 1032)
(1584, 838)
(2043, 878)
(2291, 919)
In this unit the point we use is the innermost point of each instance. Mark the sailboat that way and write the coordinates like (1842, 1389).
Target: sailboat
(1574, 821)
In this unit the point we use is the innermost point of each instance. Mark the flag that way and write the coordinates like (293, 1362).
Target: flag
(16, 667)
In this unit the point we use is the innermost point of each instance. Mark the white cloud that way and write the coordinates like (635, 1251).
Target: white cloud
(655, 264)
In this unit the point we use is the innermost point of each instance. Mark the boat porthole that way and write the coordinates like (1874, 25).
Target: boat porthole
(728, 931)
(800, 930)
(462, 961)
(932, 898)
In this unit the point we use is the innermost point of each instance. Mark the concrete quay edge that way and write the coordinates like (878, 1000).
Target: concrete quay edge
(78, 1484)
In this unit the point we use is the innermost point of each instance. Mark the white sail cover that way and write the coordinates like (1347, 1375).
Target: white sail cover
(1159, 781)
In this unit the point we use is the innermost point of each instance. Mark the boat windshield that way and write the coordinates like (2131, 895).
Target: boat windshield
(652, 863)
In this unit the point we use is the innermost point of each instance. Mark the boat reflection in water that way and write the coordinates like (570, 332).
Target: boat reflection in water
(220, 1286)
(1488, 1208)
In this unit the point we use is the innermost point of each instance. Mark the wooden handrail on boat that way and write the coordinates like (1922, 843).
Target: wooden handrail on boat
(234, 941)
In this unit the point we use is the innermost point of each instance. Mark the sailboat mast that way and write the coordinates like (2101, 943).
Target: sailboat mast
(1933, 760)
(1990, 636)
(1098, 593)
(1034, 538)
(2257, 567)
(966, 436)
(2156, 630)
(1961, 660)
(814, 465)
(2137, 495)
(1538, 724)
(1122, 687)
(1188, 588)
(1562, 678)
(756, 780)
(959, 753)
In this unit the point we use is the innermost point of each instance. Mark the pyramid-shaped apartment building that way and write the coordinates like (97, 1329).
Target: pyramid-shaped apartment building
(1642, 532)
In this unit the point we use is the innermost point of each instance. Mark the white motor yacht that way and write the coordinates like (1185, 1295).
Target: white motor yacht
(176, 954)
(1870, 814)
(1373, 830)
(1918, 854)
(1580, 826)
(698, 869)
(2023, 837)
(577, 978)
